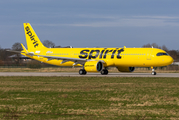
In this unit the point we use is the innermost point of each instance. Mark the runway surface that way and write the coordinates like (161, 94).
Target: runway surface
(88, 74)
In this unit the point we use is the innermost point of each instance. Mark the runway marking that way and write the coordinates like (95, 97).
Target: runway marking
(88, 74)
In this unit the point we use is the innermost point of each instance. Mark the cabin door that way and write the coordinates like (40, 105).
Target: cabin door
(149, 54)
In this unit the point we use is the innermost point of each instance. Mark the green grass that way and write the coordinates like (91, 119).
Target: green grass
(89, 98)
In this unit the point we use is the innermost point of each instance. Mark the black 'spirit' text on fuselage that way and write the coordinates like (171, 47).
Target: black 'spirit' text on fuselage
(102, 54)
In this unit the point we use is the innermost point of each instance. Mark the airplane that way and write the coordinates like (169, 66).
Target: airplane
(94, 59)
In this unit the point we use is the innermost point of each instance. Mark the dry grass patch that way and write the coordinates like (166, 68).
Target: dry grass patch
(89, 98)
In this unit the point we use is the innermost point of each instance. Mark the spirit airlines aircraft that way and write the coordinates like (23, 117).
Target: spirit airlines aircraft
(94, 59)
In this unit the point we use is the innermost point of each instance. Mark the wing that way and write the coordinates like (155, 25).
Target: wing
(65, 59)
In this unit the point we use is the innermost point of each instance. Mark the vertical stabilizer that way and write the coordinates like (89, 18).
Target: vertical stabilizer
(33, 42)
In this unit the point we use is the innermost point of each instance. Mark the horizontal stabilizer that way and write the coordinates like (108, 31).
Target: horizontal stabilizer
(14, 51)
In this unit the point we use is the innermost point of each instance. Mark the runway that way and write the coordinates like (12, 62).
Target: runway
(72, 74)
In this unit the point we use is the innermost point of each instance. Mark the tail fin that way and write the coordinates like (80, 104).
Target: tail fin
(33, 42)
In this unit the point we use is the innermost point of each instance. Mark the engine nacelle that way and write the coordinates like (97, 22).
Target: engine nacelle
(93, 66)
(126, 69)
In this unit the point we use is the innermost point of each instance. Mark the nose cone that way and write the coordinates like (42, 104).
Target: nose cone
(170, 60)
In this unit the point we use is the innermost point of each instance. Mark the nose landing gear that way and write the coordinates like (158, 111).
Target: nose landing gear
(153, 71)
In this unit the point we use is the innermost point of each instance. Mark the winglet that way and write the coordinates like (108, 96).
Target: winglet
(23, 47)
(26, 52)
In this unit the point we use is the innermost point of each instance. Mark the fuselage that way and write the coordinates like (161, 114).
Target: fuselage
(125, 57)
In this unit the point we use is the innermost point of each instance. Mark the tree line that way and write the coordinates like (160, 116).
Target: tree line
(6, 58)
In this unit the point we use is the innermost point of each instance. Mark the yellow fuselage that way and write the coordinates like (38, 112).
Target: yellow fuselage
(133, 57)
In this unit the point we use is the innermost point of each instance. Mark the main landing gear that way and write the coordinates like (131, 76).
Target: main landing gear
(153, 71)
(104, 72)
(82, 72)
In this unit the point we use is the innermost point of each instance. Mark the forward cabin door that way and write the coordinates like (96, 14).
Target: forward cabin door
(149, 54)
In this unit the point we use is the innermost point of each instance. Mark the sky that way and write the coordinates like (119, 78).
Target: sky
(92, 23)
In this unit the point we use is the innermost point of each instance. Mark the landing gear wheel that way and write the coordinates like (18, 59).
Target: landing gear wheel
(104, 72)
(153, 71)
(82, 72)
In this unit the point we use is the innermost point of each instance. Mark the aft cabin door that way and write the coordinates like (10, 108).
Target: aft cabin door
(41, 52)
(149, 54)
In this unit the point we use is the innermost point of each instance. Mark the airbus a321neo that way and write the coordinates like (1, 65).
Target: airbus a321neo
(94, 59)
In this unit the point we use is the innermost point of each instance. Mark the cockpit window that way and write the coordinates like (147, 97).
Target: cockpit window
(161, 54)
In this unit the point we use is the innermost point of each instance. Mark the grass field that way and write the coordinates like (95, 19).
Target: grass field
(88, 98)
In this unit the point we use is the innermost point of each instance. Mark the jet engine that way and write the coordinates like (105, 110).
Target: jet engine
(126, 69)
(93, 66)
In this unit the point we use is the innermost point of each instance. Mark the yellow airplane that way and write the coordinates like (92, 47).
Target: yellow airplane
(94, 59)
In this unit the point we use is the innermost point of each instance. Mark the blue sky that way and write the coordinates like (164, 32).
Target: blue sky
(92, 23)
